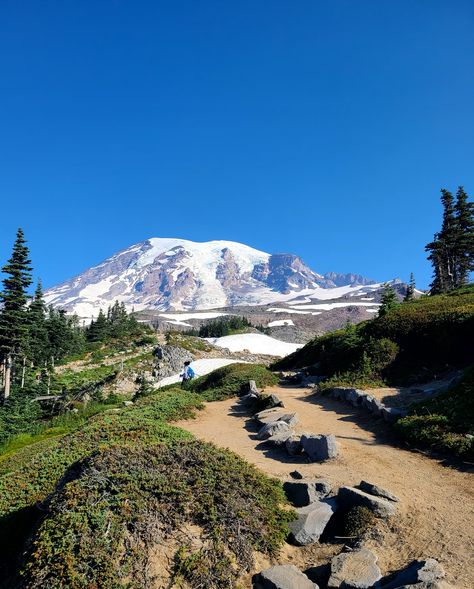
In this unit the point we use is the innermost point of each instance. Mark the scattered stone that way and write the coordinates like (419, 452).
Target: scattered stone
(290, 418)
(350, 496)
(285, 576)
(438, 584)
(295, 474)
(279, 439)
(311, 522)
(378, 491)
(419, 571)
(249, 399)
(127, 403)
(274, 401)
(269, 415)
(319, 447)
(253, 387)
(357, 569)
(307, 492)
(272, 428)
(293, 445)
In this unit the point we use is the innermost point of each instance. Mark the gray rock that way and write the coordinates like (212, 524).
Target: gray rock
(249, 399)
(293, 445)
(279, 439)
(274, 401)
(283, 576)
(350, 497)
(375, 406)
(304, 493)
(357, 569)
(311, 522)
(127, 403)
(378, 491)
(319, 447)
(252, 387)
(269, 415)
(438, 584)
(295, 474)
(418, 571)
(290, 418)
(392, 414)
(272, 428)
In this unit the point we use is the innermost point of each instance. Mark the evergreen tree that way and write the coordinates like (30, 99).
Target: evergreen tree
(452, 250)
(388, 301)
(465, 239)
(13, 316)
(410, 293)
(98, 329)
(38, 338)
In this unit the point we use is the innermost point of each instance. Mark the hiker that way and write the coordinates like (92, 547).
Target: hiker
(188, 372)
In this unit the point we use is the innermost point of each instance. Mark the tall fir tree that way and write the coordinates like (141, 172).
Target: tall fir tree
(388, 301)
(452, 250)
(465, 239)
(410, 293)
(38, 337)
(13, 316)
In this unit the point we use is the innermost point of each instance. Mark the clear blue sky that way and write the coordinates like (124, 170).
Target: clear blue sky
(321, 128)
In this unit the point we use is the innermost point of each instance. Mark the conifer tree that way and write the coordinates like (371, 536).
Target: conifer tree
(465, 240)
(388, 301)
(13, 316)
(98, 329)
(410, 293)
(38, 339)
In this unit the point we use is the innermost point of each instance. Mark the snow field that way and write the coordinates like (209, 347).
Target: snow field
(255, 343)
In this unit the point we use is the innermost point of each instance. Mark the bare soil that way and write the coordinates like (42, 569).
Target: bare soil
(436, 509)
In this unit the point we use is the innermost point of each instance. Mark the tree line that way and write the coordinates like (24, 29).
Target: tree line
(36, 336)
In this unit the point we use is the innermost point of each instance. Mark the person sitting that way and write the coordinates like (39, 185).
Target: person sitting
(188, 373)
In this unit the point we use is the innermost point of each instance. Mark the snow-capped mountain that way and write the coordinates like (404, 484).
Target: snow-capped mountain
(177, 274)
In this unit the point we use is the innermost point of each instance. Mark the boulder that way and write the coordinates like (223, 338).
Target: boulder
(269, 415)
(249, 399)
(279, 439)
(274, 401)
(303, 493)
(357, 569)
(319, 447)
(290, 418)
(418, 571)
(438, 584)
(283, 576)
(392, 414)
(374, 406)
(127, 403)
(272, 428)
(350, 497)
(293, 445)
(295, 474)
(311, 522)
(378, 491)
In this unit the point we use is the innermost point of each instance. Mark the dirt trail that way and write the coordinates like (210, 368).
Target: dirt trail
(436, 501)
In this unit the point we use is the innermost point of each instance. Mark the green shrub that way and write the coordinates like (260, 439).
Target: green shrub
(120, 503)
(229, 380)
(357, 521)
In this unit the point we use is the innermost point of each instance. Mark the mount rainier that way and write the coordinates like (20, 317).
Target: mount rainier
(181, 275)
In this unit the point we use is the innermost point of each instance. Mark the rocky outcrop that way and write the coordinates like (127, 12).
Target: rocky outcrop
(366, 401)
(419, 571)
(350, 497)
(169, 360)
(319, 447)
(357, 569)
(303, 493)
(377, 491)
(285, 576)
(312, 521)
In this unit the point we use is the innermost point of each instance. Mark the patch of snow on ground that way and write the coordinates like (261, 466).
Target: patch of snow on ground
(280, 322)
(329, 306)
(200, 367)
(186, 316)
(289, 311)
(372, 310)
(255, 343)
(181, 323)
(366, 298)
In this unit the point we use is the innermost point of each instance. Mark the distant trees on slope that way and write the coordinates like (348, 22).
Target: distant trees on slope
(451, 252)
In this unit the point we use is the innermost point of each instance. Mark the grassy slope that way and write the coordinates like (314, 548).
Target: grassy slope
(144, 466)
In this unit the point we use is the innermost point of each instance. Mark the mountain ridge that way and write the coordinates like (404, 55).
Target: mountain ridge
(179, 274)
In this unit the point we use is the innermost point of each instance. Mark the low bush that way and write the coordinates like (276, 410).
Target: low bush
(229, 380)
(444, 422)
(357, 521)
(121, 503)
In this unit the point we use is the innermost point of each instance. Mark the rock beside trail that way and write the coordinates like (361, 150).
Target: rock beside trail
(419, 571)
(285, 576)
(293, 445)
(319, 447)
(268, 415)
(279, 440)
(311, 522)
(350, 497)
(303, 493)
(274, 401)
(272, 428)
(357, 570)
(438, 584)
(378, 491)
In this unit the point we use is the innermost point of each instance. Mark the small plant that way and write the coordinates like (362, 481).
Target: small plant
(358, 520)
